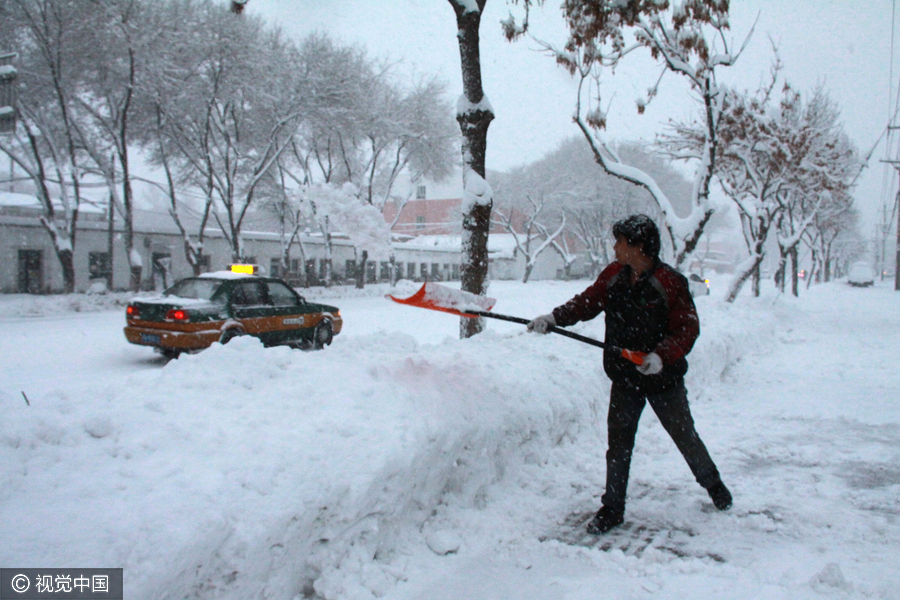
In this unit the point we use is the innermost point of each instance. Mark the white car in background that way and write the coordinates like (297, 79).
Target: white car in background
(861, 274)
(698, 285)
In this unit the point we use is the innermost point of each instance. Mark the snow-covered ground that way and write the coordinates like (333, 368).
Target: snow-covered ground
(404, 463)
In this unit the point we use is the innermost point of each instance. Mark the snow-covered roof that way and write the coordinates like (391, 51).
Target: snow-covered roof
(500, 245)
(28, 201)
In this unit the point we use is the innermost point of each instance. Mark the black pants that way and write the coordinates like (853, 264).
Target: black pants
(671, 406)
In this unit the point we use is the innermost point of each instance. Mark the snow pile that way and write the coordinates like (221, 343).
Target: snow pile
(270, 469)
(27, 305)
(403, 463)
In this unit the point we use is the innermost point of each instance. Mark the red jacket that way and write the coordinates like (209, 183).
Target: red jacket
(656, 314)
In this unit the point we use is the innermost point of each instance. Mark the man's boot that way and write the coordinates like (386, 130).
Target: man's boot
(720, 495)
(605, 519)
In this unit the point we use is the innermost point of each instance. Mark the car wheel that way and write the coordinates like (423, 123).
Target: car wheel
(169, 353)
(323, 335)
(230, 334)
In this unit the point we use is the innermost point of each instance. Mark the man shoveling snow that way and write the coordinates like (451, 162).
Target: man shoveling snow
(649, 309)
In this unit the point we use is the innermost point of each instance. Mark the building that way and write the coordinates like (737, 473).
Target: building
(426, 247)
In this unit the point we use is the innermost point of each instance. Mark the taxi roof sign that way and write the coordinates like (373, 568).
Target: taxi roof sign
(244, 269)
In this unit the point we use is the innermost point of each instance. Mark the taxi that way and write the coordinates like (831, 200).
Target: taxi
(214, 307)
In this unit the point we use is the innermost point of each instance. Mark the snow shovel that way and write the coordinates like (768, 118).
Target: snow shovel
(465, 304)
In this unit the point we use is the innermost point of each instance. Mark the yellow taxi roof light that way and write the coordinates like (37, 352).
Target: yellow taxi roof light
(244, 269)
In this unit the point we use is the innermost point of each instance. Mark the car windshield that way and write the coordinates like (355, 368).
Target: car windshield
(199, 289)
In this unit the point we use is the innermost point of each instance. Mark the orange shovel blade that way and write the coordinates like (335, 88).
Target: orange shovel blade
(438, 297)
(634, 356)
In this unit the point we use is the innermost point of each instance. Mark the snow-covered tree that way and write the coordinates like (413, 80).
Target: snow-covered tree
(689, 39)
(117, 58)
(474, 114)
(783, 166)
(560, 243)
(821, 201)
(367, 128)
(757, 147)
(338, 209)
(570, 186)
(285, 202)
(398, 132)
(526, 229)
(49, 36)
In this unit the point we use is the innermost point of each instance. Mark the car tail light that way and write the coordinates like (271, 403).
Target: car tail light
(176, 314)
(132, 311)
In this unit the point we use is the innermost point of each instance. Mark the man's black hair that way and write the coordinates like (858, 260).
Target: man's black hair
(639, 230)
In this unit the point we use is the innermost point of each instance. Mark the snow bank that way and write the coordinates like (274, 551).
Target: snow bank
(245, 471)
(27, 305)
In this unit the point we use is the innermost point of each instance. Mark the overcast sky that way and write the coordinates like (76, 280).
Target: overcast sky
(843, 44)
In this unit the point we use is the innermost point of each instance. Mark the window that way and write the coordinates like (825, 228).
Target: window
(350, 269)
(420, 192)
(98, 265)
(198, 289)
(161, 269)
(454, 271)
(250, 293)
(275, 267)
(31, 272)
(370, 271)
(423, 270)
(280, 294)
(410, 270)
(385, 271)
(203, 263)
(420, 222)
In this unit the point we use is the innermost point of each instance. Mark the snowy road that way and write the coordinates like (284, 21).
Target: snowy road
(403, 463)
(807, 434)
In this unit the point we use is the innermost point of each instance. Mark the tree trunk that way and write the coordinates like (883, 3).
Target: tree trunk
(474, 121)
(813, 269)
(328, 254)
(528, 268)
(361, 270)
(795, 282)
(68, 268)
(393, 275)
(781, 271)
(110, 241)
(754, 281)
(742, 277)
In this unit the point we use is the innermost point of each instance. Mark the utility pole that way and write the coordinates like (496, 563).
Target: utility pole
(887, 227)
(897, 248)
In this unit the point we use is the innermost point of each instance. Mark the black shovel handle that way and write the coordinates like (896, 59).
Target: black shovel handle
(635, 357)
